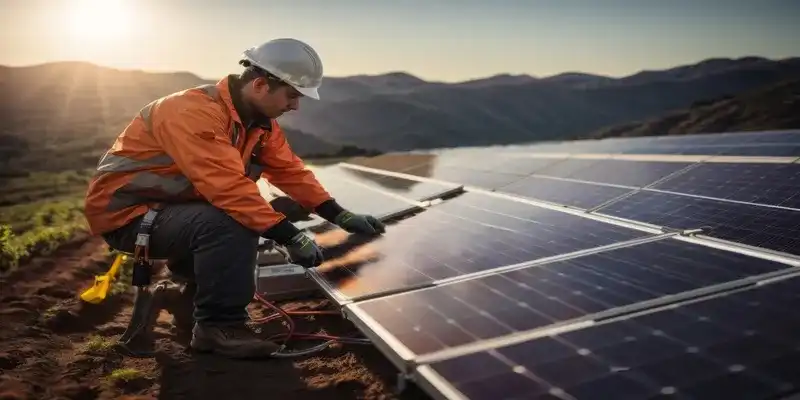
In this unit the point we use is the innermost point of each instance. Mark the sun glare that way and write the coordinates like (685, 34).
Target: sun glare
(98, 20)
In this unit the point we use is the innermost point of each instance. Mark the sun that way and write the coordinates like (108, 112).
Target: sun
(98, 20)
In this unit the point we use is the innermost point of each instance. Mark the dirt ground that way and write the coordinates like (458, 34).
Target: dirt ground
(55, 346)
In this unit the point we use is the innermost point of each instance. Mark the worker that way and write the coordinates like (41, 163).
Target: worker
(192, 159)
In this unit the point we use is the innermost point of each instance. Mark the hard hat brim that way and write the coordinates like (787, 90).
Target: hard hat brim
(311, 92)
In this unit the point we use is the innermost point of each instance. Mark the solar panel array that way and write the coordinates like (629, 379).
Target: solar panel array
(375, 194)
(619, 268)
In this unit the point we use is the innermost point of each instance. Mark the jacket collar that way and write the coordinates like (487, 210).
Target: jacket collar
(230, 91)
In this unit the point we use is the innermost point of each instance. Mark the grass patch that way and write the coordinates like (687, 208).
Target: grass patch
(125, 375)
(51, 312)
(43, 223)
(37, 186)
(38, 241)
(97, 344)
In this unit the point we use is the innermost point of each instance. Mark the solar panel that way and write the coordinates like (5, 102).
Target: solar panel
(739, 138)
(778, 150)
(471, 177)
(792, 136)
(407, 296)
(491, 161)
(703, 150)
(765, 183)
(535, 297)
(359, 198)
(556, 232)
(742, 345)
(514, 165)
(770, 228)
(575, 194)
(627, 173)
(458, 237)
(670, 149)
(704, 139)
(567, 167)
(407, 188)
(396, 162)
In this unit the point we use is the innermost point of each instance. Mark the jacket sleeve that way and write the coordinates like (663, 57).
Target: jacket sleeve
(195, 137)
(288, 173)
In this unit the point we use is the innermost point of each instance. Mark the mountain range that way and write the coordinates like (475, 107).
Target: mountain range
(402, 112)
(76, 108)
(769, 107)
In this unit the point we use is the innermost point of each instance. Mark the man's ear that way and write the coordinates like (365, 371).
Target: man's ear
(260, 84)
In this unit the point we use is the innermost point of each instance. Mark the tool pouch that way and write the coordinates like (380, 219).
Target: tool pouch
(142, 265)
(142, 273)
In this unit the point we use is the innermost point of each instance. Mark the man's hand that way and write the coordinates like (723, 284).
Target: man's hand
(303, 251)
(356, 223)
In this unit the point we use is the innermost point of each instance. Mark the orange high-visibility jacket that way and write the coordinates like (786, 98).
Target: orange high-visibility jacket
(192, 145)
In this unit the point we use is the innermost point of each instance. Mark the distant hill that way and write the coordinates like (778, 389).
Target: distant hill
(513, 109)
(64, 115)
(578, 80)
(775, 106)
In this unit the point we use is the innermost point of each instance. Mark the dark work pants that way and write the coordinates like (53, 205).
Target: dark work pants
(208, 247)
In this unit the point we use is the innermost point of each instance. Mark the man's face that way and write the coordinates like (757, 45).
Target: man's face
(274, 100)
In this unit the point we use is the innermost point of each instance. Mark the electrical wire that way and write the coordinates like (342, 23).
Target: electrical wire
(298, 353)
(292, 335)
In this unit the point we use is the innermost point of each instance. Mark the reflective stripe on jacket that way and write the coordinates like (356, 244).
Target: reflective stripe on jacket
(191, 145)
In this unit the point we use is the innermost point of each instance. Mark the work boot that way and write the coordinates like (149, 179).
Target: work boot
(230, 340)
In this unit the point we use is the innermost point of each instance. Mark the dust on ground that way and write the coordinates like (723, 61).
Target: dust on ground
(55, 346)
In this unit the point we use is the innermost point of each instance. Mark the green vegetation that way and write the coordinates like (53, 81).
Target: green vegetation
(97, 344)
(35, 187)
(38, 213)
(122, 282)
(125, 374)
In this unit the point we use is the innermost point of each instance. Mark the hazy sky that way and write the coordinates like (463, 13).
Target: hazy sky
(446, 40)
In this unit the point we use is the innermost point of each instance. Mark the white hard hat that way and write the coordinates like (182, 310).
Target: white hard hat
(291, 60)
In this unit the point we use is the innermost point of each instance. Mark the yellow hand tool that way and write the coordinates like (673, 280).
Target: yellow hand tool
(98, 292)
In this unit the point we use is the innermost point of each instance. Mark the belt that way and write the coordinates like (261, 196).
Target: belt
(142, 265)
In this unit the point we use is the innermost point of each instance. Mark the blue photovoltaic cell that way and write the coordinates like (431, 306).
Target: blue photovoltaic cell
(764, 150)
(700, 139)
(514, 165)
(565, 168)
(459, 313)
(658, 149)
(464, 176)
(766, 183)
(770, 228)
(498, 163)
(778, 150)
(774, 137)
(575, 194)
(703, 150)
(742, 345)
(627, 173)
(459, 237)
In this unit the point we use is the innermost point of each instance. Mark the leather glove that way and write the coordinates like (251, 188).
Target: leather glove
(357, 223)
(304, 251)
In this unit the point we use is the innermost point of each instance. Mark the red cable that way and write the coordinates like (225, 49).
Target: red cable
(289, 319)
(290, 322)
